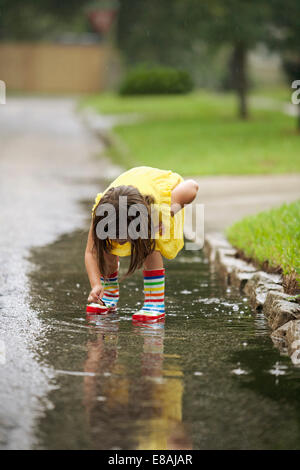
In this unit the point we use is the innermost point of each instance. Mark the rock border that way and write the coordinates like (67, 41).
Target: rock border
(264, 290)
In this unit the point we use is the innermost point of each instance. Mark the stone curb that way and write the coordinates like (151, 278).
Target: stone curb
(265, 292)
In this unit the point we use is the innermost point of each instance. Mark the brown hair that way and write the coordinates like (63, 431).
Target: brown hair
(140, 247)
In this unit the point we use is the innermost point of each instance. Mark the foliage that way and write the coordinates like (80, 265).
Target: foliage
(287, 38)
(39, 20)
(164, 31)
(143, 80)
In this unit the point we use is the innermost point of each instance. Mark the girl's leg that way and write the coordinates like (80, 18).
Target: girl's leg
(111, 283)
(154, 289)
(112, 262)
(154, 261)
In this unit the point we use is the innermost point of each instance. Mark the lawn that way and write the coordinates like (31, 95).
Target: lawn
(199, 134)
(272, 236)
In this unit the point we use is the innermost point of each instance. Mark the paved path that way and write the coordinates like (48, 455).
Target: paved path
(227, 199)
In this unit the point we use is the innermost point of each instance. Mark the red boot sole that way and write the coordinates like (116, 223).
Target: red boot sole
(101, 310)
(140, 317)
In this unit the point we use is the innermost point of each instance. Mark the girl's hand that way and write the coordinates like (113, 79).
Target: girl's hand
(96, 294)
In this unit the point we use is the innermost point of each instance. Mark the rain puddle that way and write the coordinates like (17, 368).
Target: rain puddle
(208, 377)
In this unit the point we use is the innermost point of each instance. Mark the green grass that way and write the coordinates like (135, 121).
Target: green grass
(278, 93)
(199, 134)
(272, 236)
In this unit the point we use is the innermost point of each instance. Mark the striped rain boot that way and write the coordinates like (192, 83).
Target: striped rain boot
(154, 290)
(110, 297)
(111, 290)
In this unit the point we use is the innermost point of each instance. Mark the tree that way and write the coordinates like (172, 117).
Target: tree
(153, 31)
(287, 40)
(32, 20)
(241, 25)
(162, 30)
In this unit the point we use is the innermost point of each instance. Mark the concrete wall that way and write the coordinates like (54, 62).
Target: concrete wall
(40, 67)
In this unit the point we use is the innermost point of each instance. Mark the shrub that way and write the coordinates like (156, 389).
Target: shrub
(156, 80)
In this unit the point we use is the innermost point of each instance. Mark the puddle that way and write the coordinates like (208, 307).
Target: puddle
(208, 377)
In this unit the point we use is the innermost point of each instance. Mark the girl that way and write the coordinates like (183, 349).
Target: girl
(160, 196)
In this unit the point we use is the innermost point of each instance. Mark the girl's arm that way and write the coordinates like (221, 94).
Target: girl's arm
(183, 194)
(92, 269)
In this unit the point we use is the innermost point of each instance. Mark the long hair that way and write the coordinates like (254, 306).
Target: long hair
(142, 246)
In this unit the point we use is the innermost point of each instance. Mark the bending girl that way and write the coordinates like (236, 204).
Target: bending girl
(160, 196)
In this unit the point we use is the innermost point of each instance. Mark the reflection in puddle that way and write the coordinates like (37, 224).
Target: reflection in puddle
(159, 388)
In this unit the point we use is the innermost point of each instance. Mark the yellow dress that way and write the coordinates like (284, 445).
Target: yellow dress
(159, 184)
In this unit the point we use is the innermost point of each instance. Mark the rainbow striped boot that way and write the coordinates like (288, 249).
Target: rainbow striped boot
(110, 297)
(154, 290)
(111, 290)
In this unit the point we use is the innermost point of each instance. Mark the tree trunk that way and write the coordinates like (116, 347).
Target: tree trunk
(240, 78)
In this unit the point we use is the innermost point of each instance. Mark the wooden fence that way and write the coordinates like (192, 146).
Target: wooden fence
(40, 67)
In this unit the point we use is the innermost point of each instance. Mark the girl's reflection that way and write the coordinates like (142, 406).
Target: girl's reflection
(141, 405)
